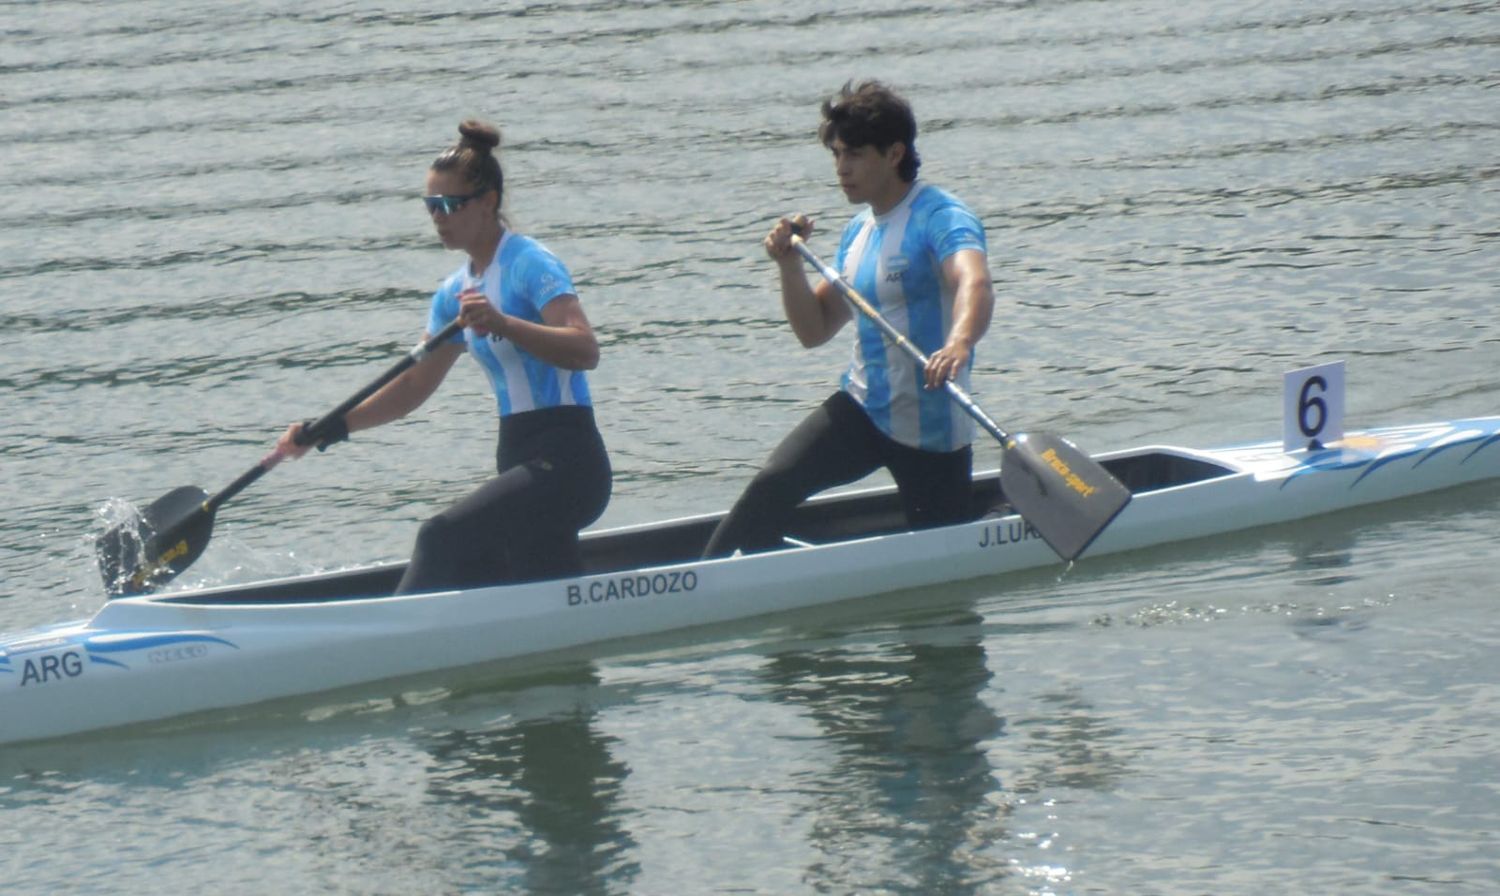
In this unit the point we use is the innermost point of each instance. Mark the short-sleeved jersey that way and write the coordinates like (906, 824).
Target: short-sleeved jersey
(522, 278)
(895, 261)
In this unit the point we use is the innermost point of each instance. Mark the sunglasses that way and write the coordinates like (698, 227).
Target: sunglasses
(447, 205)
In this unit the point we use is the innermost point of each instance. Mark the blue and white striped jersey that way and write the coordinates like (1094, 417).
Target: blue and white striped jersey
(895, 261)
(523, 276)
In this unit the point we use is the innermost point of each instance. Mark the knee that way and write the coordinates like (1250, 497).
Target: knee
(437, 535)
(770, 486)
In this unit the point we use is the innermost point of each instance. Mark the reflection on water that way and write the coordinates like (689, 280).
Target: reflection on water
(1326, 562)
(907, 802)
(1185, 200)
(925, 773)
(1067, 746)
(547, 785)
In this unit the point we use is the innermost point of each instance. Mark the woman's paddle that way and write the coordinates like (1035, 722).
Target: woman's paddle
(158, 543)
(1066, 496)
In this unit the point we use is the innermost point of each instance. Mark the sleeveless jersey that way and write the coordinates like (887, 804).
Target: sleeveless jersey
(523, 277)
(895, 261)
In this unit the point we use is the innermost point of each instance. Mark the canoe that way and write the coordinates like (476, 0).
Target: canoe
(158, 656)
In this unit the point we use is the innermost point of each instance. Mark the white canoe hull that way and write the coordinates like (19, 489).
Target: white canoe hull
(154, 657)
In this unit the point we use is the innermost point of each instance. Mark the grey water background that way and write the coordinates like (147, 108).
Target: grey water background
(210, 228)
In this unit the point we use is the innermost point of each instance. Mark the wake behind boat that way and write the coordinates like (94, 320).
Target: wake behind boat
(152, 657)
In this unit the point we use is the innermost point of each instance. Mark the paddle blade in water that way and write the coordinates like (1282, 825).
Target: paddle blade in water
(1063, 493)
(156, 545)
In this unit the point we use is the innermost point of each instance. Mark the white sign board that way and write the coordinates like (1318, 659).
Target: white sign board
(1312, 407)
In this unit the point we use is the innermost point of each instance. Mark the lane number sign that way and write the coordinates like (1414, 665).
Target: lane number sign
(1312, 407)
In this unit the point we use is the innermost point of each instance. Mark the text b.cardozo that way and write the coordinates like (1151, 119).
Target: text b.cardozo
(632, 586)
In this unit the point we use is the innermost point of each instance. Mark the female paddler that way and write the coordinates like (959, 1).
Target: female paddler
(524, 324)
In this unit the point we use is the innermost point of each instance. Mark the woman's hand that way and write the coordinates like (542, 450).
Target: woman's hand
(475, 310)
(288, 446)
(295, 441)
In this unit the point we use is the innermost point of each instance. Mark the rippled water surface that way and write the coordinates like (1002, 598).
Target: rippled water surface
(210, 229)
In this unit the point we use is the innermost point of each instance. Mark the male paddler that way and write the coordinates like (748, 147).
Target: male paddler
(918, 254)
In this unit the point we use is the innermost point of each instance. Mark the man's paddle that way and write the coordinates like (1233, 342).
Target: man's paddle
(161, 541)
(1063, 493)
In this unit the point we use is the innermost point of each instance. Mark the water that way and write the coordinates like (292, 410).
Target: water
(210, 229)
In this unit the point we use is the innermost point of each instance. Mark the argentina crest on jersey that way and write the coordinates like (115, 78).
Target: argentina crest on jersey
(892, 267)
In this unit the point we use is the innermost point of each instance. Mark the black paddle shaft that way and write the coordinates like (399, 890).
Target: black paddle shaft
(312, 431)
(171, 533)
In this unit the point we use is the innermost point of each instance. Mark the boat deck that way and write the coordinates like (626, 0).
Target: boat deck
(822, 520)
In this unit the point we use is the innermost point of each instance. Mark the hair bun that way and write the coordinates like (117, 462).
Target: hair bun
(479, 134)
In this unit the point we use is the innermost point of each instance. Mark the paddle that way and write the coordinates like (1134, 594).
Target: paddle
(158, 543)
(1066, 496)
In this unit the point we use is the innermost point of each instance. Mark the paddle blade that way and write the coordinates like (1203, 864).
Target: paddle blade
(155, 545)
(1063, 493)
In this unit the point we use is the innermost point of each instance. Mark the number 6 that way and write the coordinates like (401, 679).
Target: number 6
(1305, 404)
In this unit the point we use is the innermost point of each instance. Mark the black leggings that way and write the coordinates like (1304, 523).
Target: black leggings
(835, 445)
(522, 525)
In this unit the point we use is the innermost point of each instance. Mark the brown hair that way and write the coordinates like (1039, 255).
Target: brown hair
(872, 114)
(473, 156)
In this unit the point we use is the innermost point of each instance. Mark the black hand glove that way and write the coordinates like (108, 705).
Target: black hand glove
(334, 431)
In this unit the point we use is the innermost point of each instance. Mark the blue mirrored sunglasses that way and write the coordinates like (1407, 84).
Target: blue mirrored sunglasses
(448, 204)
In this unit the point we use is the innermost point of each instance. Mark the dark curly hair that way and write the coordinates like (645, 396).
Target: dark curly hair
(872, 114)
